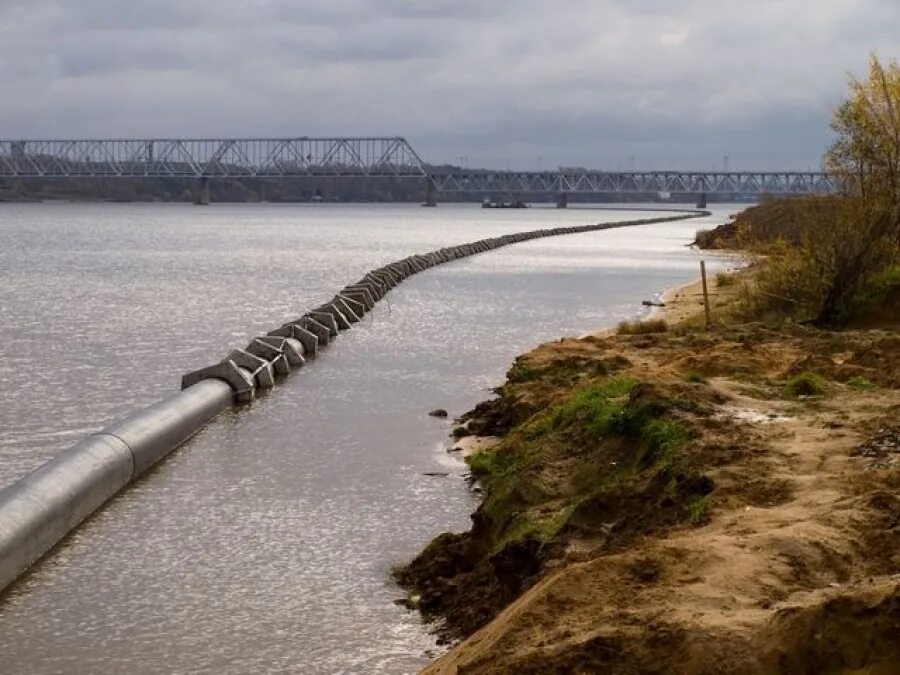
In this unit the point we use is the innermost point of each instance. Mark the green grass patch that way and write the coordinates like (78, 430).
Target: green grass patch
(540, 425)
(697, 510)
(694, 377)
(540, 474)
(806, 383)
(523, 373)
(662, 440)
(861, 383)
(490, 465)
(543, 529)
(879, 289)
(594, 408)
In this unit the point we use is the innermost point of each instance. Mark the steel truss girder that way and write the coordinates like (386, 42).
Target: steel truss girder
(598, 182)
(338, 157)
(213, 158)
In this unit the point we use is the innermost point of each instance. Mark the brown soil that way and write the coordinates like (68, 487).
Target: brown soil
(794, 567)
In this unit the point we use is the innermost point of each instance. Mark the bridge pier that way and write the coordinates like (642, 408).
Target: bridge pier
(430, 196)
(562, 200)
(701, 200)
(202, 194)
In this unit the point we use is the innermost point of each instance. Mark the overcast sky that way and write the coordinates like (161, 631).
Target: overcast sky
(518, 83)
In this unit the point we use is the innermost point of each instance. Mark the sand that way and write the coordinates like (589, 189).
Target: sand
(796, 570)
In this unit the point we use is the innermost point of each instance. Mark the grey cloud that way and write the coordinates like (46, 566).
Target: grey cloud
(590, 82)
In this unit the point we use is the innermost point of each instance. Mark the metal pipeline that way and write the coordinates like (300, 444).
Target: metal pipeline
(41, 508)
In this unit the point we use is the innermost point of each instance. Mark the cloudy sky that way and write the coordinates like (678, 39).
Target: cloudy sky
(499, 83)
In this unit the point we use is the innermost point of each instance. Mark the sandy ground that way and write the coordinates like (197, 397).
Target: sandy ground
(684, 301)
(797, 569)
(472, 444)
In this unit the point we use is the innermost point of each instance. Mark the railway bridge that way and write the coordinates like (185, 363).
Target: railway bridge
(206, 159)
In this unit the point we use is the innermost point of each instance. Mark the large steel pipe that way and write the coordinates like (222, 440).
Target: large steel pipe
(154, 432)
(38, 511)
(41, 508)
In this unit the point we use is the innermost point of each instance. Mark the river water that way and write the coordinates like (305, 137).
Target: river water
(265, 543)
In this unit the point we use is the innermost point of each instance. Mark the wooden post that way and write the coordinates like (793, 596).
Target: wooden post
(705, 294)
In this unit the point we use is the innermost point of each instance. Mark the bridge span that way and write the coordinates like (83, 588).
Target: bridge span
(363, 157)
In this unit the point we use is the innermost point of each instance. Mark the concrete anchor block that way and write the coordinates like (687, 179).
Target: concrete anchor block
(361, 294)
(330, 308)
(326, 319)
(398, 270)
(270, 353)
(323, 335)
(375, 290)
(307, 338)
(358, 306)
(367, 295)
(344, 309)
(380, 281)
(368, 287)
(291, 348)
(239, 379)
(360, 302)
(393, 279)
(379, 288)
(263, 350)
(353, 310)
(285, 331)
(281, 365)
(259, 368)
(387, 279)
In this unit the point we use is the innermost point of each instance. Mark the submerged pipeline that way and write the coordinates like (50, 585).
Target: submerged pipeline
(41, 508)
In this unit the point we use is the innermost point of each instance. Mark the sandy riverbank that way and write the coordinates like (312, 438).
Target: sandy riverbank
(673, 502)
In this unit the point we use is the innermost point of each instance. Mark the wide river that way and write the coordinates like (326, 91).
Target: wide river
(265, 543)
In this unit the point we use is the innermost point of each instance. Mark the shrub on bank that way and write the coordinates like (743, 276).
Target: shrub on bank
(827, 256)
(861, 383)
(724, 279)
(806, 383)
(642, 327)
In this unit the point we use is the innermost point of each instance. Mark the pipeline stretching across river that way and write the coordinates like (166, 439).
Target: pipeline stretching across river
(38, 510)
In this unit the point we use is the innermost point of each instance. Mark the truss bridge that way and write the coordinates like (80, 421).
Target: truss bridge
(363, 157)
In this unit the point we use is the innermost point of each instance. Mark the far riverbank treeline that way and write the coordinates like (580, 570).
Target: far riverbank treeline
(293, 189)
